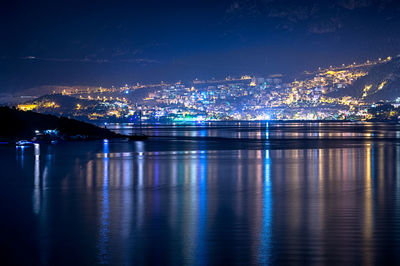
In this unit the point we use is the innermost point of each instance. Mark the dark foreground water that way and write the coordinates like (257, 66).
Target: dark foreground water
(280, 194)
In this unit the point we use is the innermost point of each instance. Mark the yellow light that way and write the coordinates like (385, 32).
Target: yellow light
(366, 89)
(381, 85)
(27, 107)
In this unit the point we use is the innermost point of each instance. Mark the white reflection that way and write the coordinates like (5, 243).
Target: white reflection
(40, 180)
(139, 145)
(36, 186)
(191, 218)
(127, 169)
(127, 210)
(140, 150)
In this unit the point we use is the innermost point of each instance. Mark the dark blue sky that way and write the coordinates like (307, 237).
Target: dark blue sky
(117, 42)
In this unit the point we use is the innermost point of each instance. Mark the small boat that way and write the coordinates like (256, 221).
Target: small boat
(24, 143)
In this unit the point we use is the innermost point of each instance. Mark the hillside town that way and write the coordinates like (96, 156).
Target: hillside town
(312, 97)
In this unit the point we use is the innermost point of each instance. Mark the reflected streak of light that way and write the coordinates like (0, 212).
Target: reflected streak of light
(89, 174)
(381, 177)
(115, 173)
(127, 210)
(321, 188)
(140, 172)
(398, 179)
(174, 197)
(190, 220)
(140, 149)
(156, 172)
(36, 190)
(398, 170)
(46, 170)
(127, 172)
(331, 169)
(105, 212)
(368, 225)
(317, 215)
(44, 207)
(174, 171)
(315, 160)
(265, 249)
(140, 163)
(202, 226)
(259, 168)
(21, 154)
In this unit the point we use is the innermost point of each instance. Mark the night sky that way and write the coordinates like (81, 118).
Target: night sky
(117, 42)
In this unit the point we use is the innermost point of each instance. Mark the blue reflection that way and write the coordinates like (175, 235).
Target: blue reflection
(20, 154)
(202, 208)
(157, 202)
(156, 171)
(202, 133)
(265, 247)
(104, 219)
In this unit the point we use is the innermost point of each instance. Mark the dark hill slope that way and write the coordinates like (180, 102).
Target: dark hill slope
(20, 124)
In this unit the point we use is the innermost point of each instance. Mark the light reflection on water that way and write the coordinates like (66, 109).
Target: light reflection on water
(104, 230)
(266, 130)
(148, 203)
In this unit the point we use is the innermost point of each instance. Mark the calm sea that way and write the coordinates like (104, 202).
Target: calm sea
(207, 194)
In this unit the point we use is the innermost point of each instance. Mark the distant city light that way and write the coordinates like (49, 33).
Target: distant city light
(242, 98)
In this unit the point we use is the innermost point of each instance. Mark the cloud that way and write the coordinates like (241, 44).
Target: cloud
(118, 52)
(354, 4)
(29, 57)
(91, 60)
(294, 14)
(242, 9)
(315, 16)
(54, 59)
(325, 26)
(141, 61)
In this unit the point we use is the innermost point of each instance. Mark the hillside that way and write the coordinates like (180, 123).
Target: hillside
(58, 103)
(381, 84)
(20, 124)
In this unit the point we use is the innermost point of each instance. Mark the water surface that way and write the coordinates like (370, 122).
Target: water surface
(282, 194)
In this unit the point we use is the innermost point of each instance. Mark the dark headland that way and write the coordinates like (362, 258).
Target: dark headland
(16, 124)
